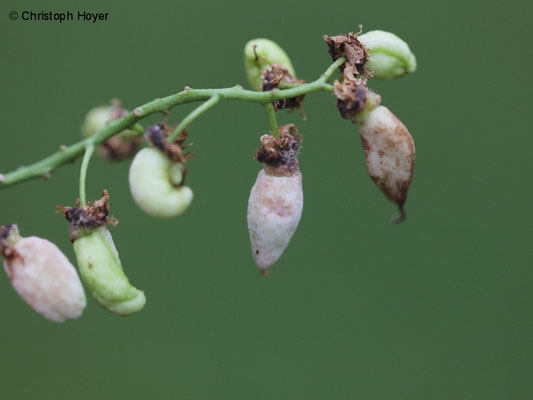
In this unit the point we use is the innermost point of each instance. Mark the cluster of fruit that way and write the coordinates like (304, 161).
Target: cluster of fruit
(48, 282)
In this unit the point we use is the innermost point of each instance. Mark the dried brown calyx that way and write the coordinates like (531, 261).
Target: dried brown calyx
(280, 154)
(119, 147)
(84, 219)
(157, 136)
(272, 77)
(349, 47)
(351, 95)
(6, 249)
(4, 231)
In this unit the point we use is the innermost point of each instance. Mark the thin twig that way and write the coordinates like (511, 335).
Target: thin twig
(272, 118)
(192, 116)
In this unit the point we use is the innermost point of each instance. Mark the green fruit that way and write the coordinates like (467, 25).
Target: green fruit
(266, 53)
(101, 270)
(156, 184)
(390, 56)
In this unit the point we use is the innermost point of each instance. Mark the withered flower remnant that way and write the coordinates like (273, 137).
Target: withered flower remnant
(349, 47)
(272, 77)
(353, 97)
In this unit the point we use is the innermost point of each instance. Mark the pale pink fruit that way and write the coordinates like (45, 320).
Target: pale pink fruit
(44, 278)
(276, 200)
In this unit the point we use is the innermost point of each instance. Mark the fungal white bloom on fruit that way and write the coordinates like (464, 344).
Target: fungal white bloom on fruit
(98, 259)
(389, 154)
(276, 199)
(42, 275)
(390, 56)
(260, 53)
(156, 184)
(274, 211)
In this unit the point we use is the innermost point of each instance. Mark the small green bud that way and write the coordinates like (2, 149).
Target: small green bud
(102, 272)
(117, 147)
(260, 53)
(97, 118)
(156, 184)
(390, 56)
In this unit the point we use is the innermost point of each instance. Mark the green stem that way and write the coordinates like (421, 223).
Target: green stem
(192, 116)
(271, 110)
(45, 166)
(83, 173)
(331, 69)
(289, 85)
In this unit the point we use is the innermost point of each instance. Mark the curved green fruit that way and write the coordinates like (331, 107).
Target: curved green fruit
(101, 270)
(97, 118)
(156, 184)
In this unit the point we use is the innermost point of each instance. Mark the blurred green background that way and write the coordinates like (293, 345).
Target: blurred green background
(437, 308)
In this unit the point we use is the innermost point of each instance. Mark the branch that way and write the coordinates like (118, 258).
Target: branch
(44, 167)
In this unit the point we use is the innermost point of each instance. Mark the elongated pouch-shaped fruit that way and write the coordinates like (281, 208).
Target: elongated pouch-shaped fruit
(102, 272)
(389, 154)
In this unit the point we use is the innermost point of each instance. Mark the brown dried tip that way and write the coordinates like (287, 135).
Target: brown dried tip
(351, 95)
(280, 154)
(92, 216)
(157, 135)
(351, 48)
(4, 231)
(264, 272)
(398, 219)
(272, 77)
